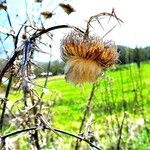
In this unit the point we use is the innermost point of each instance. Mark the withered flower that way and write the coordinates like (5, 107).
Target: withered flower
(67, 8)
(38, 1)
(47, 14)
(3, 6)
(86, 57)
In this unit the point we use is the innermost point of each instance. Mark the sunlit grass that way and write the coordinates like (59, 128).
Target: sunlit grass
(125, 89)
(111, 90)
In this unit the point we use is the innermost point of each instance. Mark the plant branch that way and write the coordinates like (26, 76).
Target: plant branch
(46, 79)
(5, 102)
(36, 35)
(87, 107)
(35, 122)
(120, 131)
(96, 18)
(85, 113)
(8, 64)
(17, 52)
(57, 130)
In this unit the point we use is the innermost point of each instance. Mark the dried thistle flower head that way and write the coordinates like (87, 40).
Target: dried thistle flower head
(86, 57)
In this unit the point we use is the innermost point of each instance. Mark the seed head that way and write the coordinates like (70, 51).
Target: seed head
(86, 57)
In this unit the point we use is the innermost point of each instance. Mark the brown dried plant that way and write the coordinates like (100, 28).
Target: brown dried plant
(3, 5)
(47, 14)
(87, 56)
(67, 8)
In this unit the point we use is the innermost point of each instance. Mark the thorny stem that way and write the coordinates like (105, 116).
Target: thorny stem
(45, 84)
(108, 105)
(85, 114)
(5, 102)
(88, 106)
(122, 89)
(8, 65)
(36, 35)
(8, 17)
(120, 132)
(12, 59)
(35, 122)
(57, 130)
(96, 18)
(17, 36)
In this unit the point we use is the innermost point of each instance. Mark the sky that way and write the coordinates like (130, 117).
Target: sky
(135, 14)
(134, 32)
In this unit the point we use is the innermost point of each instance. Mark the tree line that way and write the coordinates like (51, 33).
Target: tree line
(133, 55)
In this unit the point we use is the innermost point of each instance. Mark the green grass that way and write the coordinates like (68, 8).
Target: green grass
(125, 89)
(111, 89)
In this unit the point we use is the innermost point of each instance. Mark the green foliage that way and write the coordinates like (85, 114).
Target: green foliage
(129, 55)
(57, 67)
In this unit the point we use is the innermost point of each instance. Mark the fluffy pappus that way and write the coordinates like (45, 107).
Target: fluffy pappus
(86, 57)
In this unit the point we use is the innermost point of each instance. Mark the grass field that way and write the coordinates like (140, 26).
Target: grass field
(120, 105)
(125, 90)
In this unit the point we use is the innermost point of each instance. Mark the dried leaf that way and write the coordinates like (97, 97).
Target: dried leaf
(47, 14)
(67, 8)
(38, 1)
(3, 6)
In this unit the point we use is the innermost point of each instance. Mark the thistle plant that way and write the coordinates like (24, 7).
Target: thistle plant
(86, 55)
